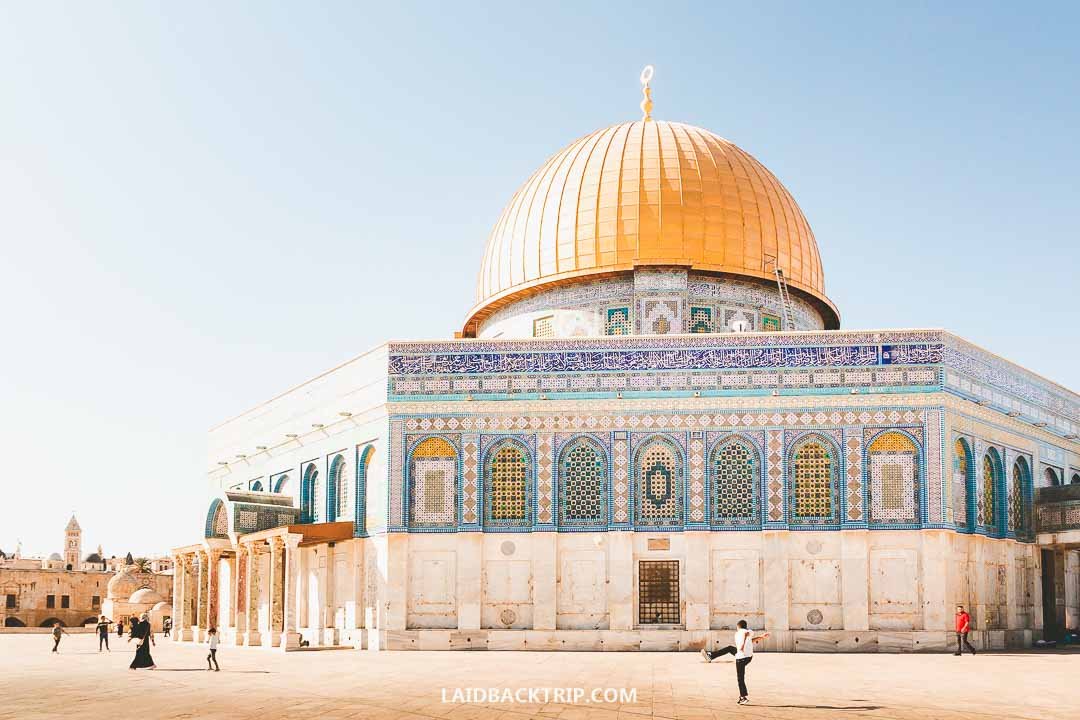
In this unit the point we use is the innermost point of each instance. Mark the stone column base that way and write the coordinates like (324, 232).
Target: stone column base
(289, 641)
(199, 634)
(330, 636)
(183, 634)
(251, 638)
(271, 639)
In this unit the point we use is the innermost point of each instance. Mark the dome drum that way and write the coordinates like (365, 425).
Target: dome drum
(626, 303)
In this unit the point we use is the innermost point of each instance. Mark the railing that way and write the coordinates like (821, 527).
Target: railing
(1057, 508)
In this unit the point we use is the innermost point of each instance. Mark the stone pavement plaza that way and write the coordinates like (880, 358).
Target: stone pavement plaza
(253, 683)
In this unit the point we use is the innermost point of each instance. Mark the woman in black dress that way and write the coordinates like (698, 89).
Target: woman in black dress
(144, 638)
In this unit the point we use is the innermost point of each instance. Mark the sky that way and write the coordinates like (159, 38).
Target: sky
(205, 203)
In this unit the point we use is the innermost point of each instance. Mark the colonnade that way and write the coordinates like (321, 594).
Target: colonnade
(261, 572)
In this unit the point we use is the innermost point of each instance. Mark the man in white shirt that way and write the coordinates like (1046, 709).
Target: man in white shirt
(743, 650)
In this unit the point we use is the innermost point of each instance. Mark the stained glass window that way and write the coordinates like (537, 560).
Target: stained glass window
(433, 483)
(544, 327)
(658, 482)
(340, 483)
(701, 320)
(505, 483)
(960, 482)
(311, 480)
(894, 469)
(813, 482)
(986, 497)
(734, 484)
(617, 321)
(583, 486)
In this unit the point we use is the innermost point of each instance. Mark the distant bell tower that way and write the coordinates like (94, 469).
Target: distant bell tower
(72, 544)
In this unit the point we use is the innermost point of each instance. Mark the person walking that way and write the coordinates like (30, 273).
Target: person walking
(212, 632)
(57, 630)
(963, 627)
(120, 628)
(166, 626)
(103, 633)
(143, 635)
(743, 650)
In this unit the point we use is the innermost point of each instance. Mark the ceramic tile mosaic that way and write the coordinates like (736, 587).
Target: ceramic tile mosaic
(620, 460)
(893, 467)
(775, 476)
(853, 446)
(696, 480)
(432, 491)
(661, 316)
(937, 486)
(545, 496)
(470, 448)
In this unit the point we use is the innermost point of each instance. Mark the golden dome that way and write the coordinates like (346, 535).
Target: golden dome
(648, 193)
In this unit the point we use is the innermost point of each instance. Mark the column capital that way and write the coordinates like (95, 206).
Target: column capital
(278, 543)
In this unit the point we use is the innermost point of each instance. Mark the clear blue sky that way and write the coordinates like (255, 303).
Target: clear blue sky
(202, 204)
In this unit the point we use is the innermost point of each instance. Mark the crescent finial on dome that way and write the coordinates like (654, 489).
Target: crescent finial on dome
(646, 91)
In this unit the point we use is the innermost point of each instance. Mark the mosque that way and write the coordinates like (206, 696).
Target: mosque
(649, 426)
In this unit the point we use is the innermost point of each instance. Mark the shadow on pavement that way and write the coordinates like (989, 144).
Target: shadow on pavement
(822, 707)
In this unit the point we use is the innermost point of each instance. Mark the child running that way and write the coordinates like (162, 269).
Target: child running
(57, 629)
(213, 650)
(743, 650)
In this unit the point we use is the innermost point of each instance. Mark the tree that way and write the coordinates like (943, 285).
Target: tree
(143, 564)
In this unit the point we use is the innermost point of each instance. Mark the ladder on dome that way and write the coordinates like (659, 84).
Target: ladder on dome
(787, 310)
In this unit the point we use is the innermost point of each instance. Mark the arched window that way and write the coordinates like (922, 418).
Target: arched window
(583, 485)
(659, 470)
(217, 520)
(1075, 479)
(432, 484)
(311, 491)
(506, 485)
(363, 461)
(338, 483)
(281, 484)
(1051, 477)
(813, 468)
(257, 486)
(961, 476)
(11, 621)
(988, 501)
(1017, 503)
(735, 469)
(894, 479)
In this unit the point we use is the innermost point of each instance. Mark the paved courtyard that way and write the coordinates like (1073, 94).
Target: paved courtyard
(330, 684)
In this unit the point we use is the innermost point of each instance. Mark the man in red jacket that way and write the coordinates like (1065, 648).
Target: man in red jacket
(963, 627)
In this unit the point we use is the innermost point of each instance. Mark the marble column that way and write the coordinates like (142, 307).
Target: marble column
(251, 600)
(203, 612)
(326, 598)
(191, 596)
(239, 592)
(213, 587)
(277, 592)
(290, 638)
(180, 591)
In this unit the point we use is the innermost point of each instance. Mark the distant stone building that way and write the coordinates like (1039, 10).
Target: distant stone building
(37, 592)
